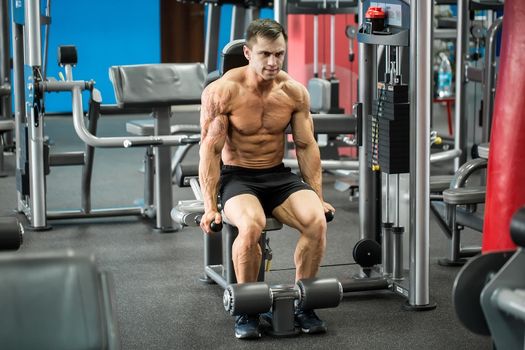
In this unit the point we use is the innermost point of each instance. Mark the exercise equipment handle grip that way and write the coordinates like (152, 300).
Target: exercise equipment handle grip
(215, 227)
(329, 215)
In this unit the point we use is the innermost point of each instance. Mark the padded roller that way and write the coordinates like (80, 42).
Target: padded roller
(247, 298)
(185, 171)
(67, 54)
(11, 233)
(517, 227)
(316, 293)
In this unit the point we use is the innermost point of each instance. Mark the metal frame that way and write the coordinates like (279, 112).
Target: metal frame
(31, 150)
(370, 182)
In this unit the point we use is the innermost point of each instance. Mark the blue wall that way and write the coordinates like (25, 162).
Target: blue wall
(106, 33)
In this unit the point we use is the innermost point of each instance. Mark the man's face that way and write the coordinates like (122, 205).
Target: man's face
(266, 56)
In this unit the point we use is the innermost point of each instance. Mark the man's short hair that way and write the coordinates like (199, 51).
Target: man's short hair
(266, 28)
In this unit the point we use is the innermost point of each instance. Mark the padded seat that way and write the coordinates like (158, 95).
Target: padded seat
(272, 224)
(464, 195)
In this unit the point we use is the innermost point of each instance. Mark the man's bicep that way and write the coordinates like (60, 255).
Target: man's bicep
(214, 129)
(302, 128)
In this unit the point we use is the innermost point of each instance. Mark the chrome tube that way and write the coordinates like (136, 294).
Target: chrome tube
(489, 85)
(445, 155)
(32, 33)
(237, 27)
(119, 142)
(279, 11)
(19, 100)
(368, 220)
(460, 118)
(5, 69)
(37, 180)
(316, 45)
(332, 46)
(327, 164)
(420, 115)
(212, 33)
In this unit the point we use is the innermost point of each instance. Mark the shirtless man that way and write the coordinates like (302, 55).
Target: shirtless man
(243, 118)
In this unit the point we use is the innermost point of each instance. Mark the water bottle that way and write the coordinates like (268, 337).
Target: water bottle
(444, 85)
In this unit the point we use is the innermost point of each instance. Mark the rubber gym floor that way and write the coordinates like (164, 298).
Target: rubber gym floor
(160, 302)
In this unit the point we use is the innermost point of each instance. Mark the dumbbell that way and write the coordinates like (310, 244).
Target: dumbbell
(11, 233)
(258, 297)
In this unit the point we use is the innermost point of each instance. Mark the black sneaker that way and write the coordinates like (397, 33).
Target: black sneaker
(247, 327)
(308, 322)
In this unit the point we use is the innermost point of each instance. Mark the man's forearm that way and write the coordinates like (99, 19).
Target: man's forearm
(209, 174)
(309, 161)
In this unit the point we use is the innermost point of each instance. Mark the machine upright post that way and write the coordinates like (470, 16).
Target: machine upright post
(489, 77)
(212, 40)
(280, 15)
(368, 204)
(33, 59)
(163, 193)
(420, 115)
(460, 120)
(5, 69)
(19, 103)
(238, 22)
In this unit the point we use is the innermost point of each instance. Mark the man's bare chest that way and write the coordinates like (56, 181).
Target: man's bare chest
(253, 114)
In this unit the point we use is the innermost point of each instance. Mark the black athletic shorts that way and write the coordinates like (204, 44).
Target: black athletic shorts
(271, 186)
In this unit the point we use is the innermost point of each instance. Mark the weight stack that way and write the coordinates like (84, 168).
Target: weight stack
(390, 129)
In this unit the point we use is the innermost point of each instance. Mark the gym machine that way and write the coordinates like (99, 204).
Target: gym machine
(466, 73)
(489, 292)
(455, 205)
(395, 114)
(33, 158)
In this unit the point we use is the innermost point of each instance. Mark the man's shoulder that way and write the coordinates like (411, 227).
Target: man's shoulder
(294, 88)
(222, 85)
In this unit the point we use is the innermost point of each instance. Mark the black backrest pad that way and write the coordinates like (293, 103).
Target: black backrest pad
(233, 55)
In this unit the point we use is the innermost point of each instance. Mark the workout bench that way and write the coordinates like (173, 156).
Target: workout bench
(258, 297)
(159, 86)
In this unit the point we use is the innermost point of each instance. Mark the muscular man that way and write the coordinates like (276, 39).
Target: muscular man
(244, 117)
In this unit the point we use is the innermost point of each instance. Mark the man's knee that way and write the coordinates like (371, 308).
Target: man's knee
(249, 231)
(315, 228)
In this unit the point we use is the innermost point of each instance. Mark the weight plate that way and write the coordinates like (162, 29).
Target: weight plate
(367, 253)
(468, 286)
